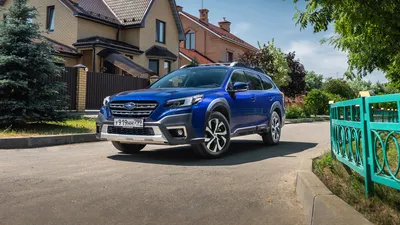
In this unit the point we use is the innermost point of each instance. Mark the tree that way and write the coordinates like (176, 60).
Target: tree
(367, 30)
(271, 60)
(313, 80)
(339, 87)
(360, 85)
(297, 74)
(26, 63)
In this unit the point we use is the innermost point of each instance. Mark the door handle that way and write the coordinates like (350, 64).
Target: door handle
(253, 99)
(271, 98)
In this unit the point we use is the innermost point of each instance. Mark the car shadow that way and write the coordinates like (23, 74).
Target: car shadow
(240, 152)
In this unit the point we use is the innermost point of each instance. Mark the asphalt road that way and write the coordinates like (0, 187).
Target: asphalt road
(94, 184)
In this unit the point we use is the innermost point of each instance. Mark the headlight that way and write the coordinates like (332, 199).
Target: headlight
(106, 101)
(182, 102)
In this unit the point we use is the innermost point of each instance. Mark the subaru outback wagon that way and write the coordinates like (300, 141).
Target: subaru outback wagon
(204, 106)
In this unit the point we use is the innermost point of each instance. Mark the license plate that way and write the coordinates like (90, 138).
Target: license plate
(129, 123)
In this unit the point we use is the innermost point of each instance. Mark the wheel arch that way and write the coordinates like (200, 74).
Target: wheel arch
(278, 108)
(219, 105)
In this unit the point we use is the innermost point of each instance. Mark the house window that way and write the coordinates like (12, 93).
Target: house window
(50, 18)
(190, 40)
(229, 57)
(167, 67)
(154, 65)
(160, 31)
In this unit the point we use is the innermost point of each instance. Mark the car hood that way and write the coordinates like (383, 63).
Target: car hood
(162, 94)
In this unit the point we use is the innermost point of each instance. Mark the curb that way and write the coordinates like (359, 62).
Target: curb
(45, 141)
(321, 206)
(307, 120)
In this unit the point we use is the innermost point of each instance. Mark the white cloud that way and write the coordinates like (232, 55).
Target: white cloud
(324, 59)
(240, 28)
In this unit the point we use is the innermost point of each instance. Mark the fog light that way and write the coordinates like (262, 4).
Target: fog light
(180, 132)
(177, 132)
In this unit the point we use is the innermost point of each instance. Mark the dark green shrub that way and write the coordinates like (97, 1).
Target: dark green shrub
(295, 112)
(317, 102)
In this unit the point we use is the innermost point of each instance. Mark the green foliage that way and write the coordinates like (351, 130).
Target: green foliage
(26, 63)
(333, 97)
(270, 59)
(339, 87)
(359, 84)
(317, 102)
(297, 84)
(295, 112)
(313, 80)
(367, 30)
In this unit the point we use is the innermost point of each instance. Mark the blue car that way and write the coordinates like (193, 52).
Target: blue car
(204, 106)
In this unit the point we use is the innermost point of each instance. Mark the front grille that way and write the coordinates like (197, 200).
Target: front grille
(147, 131)
(141, 109)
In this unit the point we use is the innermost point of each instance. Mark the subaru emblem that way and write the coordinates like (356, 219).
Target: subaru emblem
(129, 105)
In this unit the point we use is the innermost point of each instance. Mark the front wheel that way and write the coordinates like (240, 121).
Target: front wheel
(217, 137)
(273, 136)
(128, 148)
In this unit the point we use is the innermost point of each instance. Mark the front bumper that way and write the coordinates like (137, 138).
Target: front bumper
(161, 131)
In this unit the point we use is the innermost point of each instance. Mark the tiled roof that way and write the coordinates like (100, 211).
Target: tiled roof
(160, 52)
(92, 8)
(129, 12)
(61, 48)
(106, 42)
(221, 32)
(192, 54)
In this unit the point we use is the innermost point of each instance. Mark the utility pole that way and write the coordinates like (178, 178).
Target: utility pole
(202, 4)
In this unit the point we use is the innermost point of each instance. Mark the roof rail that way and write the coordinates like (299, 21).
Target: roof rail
(233, 64)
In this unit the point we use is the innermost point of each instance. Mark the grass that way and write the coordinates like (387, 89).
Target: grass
(381, 208)
(70, 126)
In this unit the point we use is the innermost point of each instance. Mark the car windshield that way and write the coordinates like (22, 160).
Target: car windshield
(195, 77)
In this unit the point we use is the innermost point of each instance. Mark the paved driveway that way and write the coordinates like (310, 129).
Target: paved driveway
(94, 184)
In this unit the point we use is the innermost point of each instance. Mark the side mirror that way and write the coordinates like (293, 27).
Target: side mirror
(240, 87)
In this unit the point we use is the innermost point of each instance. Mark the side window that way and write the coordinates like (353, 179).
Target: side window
(266, 83)
(254, 81)
(237, 76)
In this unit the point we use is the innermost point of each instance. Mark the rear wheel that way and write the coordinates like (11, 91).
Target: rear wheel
(128, 148)
(273, 136)
(217, 137)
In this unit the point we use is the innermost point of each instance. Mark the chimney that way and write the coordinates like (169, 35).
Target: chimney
(204, 15)
(225, 24)
(180, 8)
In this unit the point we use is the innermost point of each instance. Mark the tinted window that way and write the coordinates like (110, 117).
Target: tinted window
(266, 83)
(154, 65)
(237, 76)
(198, 77)
(254, 82)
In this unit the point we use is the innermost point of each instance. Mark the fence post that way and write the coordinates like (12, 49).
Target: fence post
(81, 88)
(331, 116)
(366, 144)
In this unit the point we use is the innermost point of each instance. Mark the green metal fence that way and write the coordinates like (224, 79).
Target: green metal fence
(366, 137)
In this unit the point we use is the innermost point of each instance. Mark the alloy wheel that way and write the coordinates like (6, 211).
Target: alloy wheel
(275, 127)
(216, 135)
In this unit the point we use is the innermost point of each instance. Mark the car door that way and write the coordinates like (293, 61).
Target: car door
(257, 98)
(240, 103)
(268, 96)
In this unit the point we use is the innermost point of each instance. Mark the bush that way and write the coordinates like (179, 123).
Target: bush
(317, 102)
(295, 112)
(333, 97)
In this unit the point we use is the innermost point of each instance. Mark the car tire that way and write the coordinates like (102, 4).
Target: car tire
(128, 148)
(273, 135)
(217, 137)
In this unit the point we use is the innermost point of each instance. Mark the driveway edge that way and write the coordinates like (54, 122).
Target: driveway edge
(321, 206)
(307, 120)
(45, 141)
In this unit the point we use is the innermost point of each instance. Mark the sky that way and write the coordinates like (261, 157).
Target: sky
(263, 20)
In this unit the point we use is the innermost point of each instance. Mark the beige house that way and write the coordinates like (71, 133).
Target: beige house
(209, 43)
(127, 37)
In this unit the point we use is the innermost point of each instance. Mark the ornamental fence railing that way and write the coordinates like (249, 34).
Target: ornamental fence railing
(365, 136)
